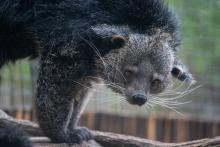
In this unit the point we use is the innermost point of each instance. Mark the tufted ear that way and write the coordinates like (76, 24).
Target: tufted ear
(108, 38)
(114, 41)
(180, 72)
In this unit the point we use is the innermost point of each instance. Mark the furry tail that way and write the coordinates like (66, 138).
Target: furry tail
(10, 136)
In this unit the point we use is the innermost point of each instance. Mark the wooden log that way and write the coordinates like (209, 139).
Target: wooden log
(105, 139)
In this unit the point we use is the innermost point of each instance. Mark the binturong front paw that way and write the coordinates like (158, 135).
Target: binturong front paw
(79, 135)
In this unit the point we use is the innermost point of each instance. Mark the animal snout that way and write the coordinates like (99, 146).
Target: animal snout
(139, 99)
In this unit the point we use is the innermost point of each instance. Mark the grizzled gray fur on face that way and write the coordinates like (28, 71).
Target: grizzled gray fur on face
(130, 44)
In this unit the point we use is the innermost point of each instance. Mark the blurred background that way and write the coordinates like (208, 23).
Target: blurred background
(193, 116)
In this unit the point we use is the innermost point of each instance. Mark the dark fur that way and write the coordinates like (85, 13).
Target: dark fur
(58, 23)
(16, 42)
(11, 136)
(66, 33)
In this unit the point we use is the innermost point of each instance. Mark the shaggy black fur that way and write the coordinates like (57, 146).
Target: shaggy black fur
(72, 36)
(11, 136)
(58, 24)
(16, 42)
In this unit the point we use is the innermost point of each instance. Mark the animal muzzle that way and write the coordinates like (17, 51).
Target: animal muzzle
(139, 98)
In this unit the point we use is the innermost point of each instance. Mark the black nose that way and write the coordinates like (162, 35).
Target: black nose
(139, 99)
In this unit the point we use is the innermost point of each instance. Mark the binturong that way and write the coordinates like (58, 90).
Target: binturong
(131, 45)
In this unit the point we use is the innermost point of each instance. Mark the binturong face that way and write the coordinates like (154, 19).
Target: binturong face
(140, 65)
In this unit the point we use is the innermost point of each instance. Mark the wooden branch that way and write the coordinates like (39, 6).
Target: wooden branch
(46, 143)
(127, 141)
(31, 128)
(117, 140)
(104, 138)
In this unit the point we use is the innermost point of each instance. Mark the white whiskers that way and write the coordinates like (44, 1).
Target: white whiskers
(170, 99)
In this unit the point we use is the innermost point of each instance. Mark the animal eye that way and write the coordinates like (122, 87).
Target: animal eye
(128, 73)
(130, 70)
(155, 84)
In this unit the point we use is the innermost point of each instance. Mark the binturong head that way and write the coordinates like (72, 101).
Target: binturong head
(140, 59)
